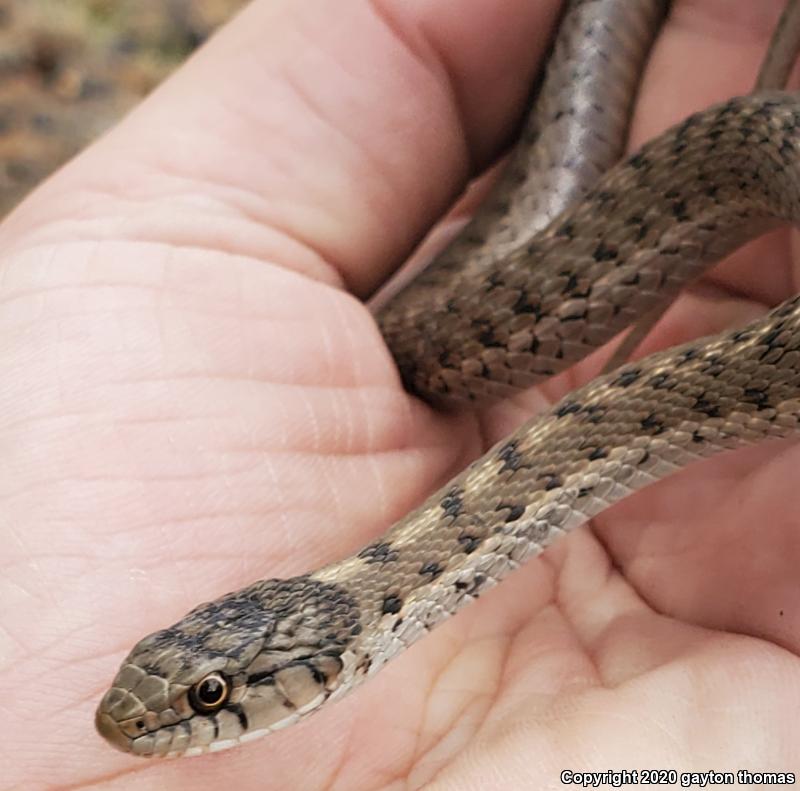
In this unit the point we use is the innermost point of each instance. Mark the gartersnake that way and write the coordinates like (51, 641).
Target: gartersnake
(527, 290)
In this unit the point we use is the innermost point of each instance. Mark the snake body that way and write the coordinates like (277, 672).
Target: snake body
(532, 286)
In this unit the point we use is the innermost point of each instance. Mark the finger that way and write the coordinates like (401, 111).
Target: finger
(711, 50)
(322, 136)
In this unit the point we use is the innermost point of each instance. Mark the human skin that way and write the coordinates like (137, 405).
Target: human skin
(194, 397)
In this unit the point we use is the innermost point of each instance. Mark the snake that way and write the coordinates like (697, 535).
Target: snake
(575, 243)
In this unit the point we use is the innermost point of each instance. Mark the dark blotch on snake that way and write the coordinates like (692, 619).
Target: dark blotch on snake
(571, 284)
(567, 231)
(594, 413)
(661, 381)
(758, 397)
(379, 552)
(515, 511)
(605, 252)
(523, 305)
(453, 502)
(265, 678)
(568, 408)
(627, 378)
(391, 605)
(706, 407)
(639, 161)
(553, 481)
(468, 543)
(679, 211)
(240, 714)
(432, 568)
(509, 456)
(488, 339)
(652, 424)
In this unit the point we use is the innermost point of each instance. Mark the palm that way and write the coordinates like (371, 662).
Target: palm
(186, 416)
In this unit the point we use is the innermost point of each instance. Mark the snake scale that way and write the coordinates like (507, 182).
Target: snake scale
(563, 256)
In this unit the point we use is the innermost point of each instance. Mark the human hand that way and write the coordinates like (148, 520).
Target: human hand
(193, 400)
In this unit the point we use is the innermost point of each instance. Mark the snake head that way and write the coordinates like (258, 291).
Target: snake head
(231, 670)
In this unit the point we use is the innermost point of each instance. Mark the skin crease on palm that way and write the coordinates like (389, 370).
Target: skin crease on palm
(191, 401)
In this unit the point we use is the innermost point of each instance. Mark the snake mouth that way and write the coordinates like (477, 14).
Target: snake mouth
(173, 742)
(148, 722)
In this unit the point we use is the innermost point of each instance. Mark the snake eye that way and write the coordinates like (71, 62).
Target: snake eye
(210, 693)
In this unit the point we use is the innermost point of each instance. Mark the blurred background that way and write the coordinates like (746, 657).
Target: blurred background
(70, 68)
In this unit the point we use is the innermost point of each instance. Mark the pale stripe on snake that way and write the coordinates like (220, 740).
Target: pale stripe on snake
(519, 297)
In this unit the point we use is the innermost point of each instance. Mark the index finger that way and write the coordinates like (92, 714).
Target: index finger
(324, 137)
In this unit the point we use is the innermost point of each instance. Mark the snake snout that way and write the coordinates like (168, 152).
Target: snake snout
(113, 727)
